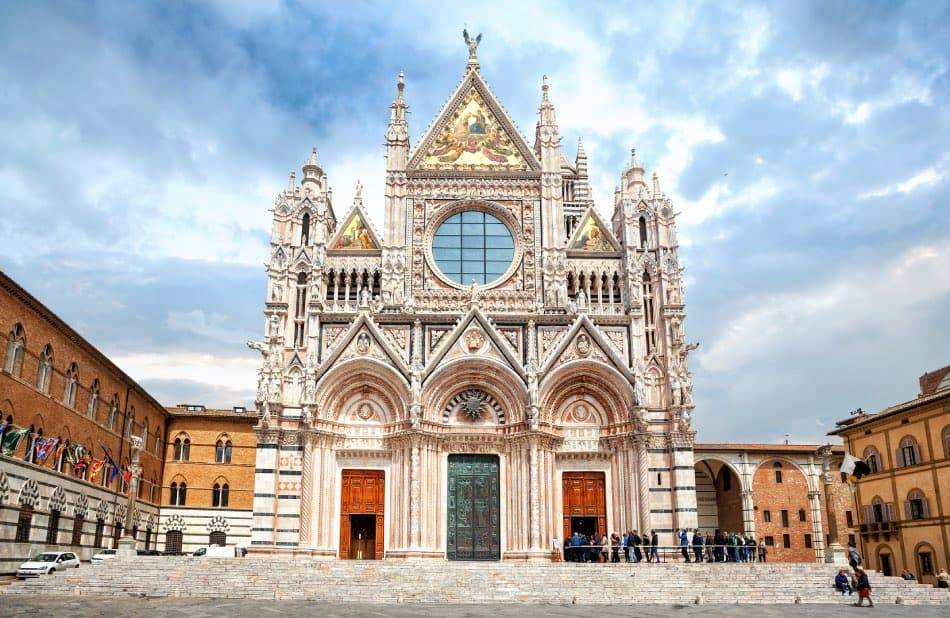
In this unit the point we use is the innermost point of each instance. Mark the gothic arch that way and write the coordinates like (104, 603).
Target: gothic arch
(726, 463)
(488, 375)
(784, 460)
(596, 382)
(342, 391)
(30, 494)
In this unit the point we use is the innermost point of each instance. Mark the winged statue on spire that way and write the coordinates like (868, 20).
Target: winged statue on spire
(472, 43)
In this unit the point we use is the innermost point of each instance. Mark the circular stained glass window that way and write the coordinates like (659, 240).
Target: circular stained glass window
(473, 247)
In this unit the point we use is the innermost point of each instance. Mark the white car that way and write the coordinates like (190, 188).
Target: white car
(46, 563)
(105, 554)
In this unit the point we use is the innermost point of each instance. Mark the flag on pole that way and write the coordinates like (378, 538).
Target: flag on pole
(113, 470)
(11, 439)
(94, 469)
(853, 467)
(45, 448)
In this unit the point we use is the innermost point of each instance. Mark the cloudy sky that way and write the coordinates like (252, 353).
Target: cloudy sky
(807, 147)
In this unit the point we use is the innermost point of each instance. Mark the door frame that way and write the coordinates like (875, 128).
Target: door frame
(580, 465)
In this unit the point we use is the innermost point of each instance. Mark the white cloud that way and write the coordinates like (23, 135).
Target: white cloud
(796, 80)
(857, 302)
(238, 373)
(924, 178)
(719, 198)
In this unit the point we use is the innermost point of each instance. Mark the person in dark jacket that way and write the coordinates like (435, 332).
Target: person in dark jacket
(864, 588)
(843, 583)
(654, 542)
(718, 541)
(684, 545)
(637, 541)
(697, 545)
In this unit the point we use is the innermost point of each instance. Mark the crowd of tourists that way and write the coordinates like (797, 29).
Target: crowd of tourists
(694, 547)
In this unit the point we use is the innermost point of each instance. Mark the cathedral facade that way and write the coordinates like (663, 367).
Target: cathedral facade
(494, 368)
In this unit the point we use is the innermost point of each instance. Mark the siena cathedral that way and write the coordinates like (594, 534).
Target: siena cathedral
(494, 368)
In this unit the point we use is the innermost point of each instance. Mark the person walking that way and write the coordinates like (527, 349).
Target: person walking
(717, 545)
(614, 547)
(654, 542)
(762, 550)
(864, 588)
(854, 556)
(750, 548)
(604, 548)
(697, 546)
(636, 542)
(684, 545)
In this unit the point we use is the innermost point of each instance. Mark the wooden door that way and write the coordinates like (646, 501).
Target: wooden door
(584, 495)
(363, 493)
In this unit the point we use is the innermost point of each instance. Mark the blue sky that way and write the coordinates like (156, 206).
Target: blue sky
(806, 146)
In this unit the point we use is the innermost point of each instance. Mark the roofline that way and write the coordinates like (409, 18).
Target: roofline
(886, 413)
(19, 292)
(764, 447)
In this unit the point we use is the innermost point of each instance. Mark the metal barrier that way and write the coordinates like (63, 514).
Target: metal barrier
(661, 553)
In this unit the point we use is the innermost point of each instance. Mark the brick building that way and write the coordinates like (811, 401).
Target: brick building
(208, 486)
(904, 503)
(70, 396)
(775, 492)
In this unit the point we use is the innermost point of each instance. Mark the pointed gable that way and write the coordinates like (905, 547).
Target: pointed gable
(356, 235)
(365, 339)
(473, 133)
(585, 341)
(475, 335)
(592, 236)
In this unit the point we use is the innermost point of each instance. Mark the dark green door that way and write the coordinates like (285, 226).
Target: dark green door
(473, 525)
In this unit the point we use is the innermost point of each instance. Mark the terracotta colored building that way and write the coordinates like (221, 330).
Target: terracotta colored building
(58, 384)
(776, 493)
(208, 487)
(904, 503)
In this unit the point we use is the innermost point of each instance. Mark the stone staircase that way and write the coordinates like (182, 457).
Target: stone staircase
(436, 581)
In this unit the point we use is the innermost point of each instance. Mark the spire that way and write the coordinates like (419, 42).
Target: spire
(547, 108)
(358, 195)
(292, 183)
(397, 135)
(633, 175)
(472, 49)
(580, 162)
(311, 169)
(656, 186)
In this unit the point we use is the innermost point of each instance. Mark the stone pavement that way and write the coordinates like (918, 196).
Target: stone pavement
(201, 608)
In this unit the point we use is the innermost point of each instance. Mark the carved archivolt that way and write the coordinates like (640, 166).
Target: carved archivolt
(218, 523)
(593, 383)
(347, 385)
(30, 494)
(175, 522)
(57, 500)
(473, 405)
(503, 385)
(81, 508)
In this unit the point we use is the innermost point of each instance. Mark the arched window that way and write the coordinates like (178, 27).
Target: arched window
(643, 232)
(778, 472)
(925, 560)
(52, 527)
(72, 386)
(113, 411)
(218, 538)
(178, 494)
(219, 494)
(916, 507)
(93, 407)
(300, 312)
(908, 453)
(129, 422)
(182, 447)
(305, 229)
(16, 348)
(946, 441)
(222, 450)
(873, 459)
(648, 313)
(878, 511)
(44, 371)
(24, 523)
(145, 434)
(173, 542)
(158, 441)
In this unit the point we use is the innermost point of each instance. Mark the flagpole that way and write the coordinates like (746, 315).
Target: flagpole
(127, 542)
(834, 552)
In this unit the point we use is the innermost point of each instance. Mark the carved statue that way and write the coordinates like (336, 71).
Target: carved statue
(581, 301)
(364, 298)
(472, 44)
(273, 327)
(260, 347)
(675, 390)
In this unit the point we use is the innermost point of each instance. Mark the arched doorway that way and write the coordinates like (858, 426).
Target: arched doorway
(718, 497)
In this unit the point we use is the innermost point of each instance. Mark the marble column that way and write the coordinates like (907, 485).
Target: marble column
(306, 493)
(643, 481)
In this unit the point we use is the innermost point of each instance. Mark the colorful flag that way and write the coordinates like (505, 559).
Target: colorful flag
(80, 465)
(94, 469)
(853, 467)
(45, 448)
(11, 439)
(113, 471)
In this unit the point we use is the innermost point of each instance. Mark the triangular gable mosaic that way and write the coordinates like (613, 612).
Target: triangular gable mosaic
(473, 139)
(592, 236)
(355, 235)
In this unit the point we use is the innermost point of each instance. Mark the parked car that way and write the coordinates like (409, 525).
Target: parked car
(105, 554)
(46, 563)
(148, 552)
(218, 551)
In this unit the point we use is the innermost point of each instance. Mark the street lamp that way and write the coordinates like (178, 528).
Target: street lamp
(127, 542)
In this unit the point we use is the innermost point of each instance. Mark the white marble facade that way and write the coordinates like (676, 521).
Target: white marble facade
(566, 354)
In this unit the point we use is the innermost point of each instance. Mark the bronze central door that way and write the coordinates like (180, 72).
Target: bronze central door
(473, 508)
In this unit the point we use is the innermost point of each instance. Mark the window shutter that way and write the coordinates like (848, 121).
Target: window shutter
(889, 512)
(868, 516)
(900, 458)
(917, 458)
(907, 511)
(925, 507)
